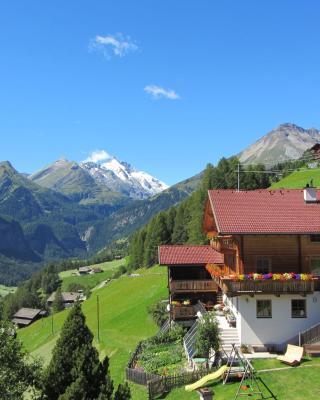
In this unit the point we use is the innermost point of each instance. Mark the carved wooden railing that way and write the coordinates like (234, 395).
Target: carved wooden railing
(231, 287)
(223, 243)
(193, 286)
(184, 312)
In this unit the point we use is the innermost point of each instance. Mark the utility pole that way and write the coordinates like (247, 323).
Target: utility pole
(238, 177)
(98, 318)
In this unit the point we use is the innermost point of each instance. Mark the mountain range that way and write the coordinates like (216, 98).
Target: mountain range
(70, 209)
(72, 214)
(104, 183)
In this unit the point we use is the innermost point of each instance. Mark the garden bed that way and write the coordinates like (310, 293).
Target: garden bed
(162, 358)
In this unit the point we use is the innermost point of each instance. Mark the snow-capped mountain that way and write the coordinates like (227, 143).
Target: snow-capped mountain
(121, 177)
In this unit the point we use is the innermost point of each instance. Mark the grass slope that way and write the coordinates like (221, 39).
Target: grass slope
(124, 321)
(4, 290)
(90, 280)
(298, 179)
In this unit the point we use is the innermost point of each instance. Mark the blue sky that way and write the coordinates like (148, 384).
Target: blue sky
(165, 85)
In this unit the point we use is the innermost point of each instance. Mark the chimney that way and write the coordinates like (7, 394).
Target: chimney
(310, 194)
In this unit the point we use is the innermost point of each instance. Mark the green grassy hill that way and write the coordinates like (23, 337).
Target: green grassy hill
(90, 280)
(124, 320)
(4, 290)
(298, 179)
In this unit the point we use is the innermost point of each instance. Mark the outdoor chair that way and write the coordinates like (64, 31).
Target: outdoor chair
(293, 355)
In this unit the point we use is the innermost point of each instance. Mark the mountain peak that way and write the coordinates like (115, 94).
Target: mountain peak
(120, 176)
(7, 167)
(287, 141)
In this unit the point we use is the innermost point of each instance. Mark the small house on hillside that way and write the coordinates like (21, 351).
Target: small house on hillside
(96, 270)
(84, 270)
(69, 298)
(25, 316)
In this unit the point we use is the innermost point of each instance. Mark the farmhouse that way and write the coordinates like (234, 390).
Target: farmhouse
(84, 270)
(69, 298)
(25, 316)
(261, 265)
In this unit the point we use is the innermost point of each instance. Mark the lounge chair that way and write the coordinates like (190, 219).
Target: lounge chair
(293, 355)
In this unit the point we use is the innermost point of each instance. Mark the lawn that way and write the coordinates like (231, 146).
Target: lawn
(124, 321)
(4, 290)
(90, 280)
(299, 179)
(297, 383)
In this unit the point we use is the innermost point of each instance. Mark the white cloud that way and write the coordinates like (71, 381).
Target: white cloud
(97, 156)
(113, 45)
(158, 92)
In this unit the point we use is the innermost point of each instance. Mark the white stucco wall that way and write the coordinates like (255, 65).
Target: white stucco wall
(276, 330)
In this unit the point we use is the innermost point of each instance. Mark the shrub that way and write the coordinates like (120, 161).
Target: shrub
(207, 337)
(159, 313)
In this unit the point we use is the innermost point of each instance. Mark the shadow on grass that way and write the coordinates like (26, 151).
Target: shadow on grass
(270, 394)
(305, 360)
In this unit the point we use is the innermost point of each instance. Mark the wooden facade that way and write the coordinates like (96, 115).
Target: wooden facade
(283, 253)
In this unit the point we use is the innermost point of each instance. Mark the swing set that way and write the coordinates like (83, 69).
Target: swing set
(240, 367)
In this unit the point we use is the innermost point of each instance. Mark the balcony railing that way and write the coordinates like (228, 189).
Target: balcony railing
(208, 285)
(184, 312)
(309, 336)
(247, 287)
(223, 243)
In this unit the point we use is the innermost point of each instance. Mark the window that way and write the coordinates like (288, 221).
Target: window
(315, 266)
(264, 309)
(263, 265)
(315, 238)
(298, 309)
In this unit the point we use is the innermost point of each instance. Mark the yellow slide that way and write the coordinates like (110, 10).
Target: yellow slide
(207, 379)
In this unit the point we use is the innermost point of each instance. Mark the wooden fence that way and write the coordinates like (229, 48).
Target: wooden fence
(137, 375)
(163, 384)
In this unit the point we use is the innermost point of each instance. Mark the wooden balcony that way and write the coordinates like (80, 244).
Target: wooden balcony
(208, 285)
(223, 243)
(184, 312)
(251, 287)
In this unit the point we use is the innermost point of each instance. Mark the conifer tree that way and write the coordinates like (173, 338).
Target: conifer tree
(17, 371)
(123, 392)
(75, 365)
(57, 303)
(179, 234)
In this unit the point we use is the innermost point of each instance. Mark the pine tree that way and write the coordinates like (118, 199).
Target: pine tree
(75, 365)
(123, 392)
(17, 371)
(179, 234)
(157, 234)
(57, 303)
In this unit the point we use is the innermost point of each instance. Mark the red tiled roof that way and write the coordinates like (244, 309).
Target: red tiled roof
(184, 255)
(264, 211)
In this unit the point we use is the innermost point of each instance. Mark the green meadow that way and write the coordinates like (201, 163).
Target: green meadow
(298, 179)
(90, 280)
(124, 320)
(4, 290)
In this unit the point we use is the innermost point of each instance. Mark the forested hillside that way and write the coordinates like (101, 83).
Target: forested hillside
(183, 223)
